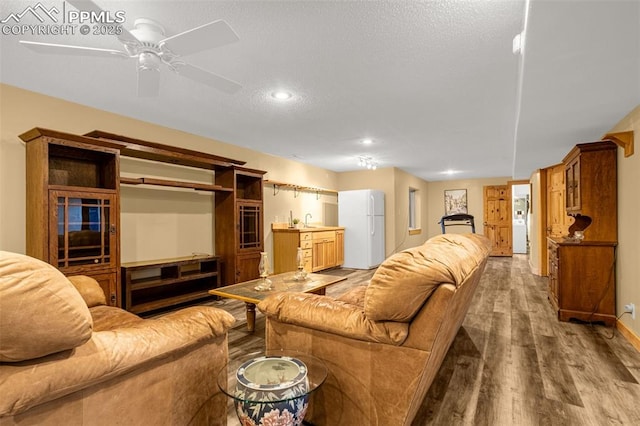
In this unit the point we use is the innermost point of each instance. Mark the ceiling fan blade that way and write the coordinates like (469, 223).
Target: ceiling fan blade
(66, 49)
(208, 78)
(87, 5)
(207, 36)
(148, 82)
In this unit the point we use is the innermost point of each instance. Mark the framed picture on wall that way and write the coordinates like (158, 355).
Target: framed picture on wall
(455, 201)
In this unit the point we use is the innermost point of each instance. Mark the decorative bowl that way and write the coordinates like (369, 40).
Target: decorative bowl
(272, 390)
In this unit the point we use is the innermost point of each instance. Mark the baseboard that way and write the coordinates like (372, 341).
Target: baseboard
(628, 334)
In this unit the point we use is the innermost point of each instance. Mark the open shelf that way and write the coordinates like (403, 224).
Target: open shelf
(137, 148)
(174, 184)
(169, 301)
(298, 188)
(157, 284)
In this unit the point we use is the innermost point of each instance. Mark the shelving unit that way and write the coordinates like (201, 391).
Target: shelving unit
(72, 200)
(239, 223)
(174, 184)
(73, 216)
(582, 281)
(157, 284)
(298, 188)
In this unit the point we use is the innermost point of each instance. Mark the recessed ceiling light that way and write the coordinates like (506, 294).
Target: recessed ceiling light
(281, 95)
(367, 141)
(450, 172)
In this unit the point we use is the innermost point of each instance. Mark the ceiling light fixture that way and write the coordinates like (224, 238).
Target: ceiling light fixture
(367, 162)
(367, 141)
(518, 44)
(281, 95)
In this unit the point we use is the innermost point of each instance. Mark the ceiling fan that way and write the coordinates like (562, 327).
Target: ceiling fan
(150, 47)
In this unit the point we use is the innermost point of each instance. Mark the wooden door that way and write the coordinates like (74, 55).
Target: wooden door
(497, 219)
(557, 219)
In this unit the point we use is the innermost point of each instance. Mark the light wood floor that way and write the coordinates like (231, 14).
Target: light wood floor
(512, 362)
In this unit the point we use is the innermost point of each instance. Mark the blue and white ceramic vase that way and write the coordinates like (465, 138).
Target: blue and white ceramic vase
(272, 390)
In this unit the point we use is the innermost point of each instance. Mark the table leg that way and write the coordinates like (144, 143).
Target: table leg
(251, 317)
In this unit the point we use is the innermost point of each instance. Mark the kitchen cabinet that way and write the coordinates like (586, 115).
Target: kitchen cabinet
(322, 248)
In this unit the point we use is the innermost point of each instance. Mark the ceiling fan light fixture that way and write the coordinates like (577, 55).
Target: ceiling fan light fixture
(149, 61)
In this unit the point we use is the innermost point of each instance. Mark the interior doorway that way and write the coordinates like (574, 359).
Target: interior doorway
(521, 212)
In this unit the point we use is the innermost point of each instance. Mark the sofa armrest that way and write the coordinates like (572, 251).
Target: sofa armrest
(331, 316)
(110, 354)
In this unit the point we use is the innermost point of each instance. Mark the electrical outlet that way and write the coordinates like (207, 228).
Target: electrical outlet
(631, 308)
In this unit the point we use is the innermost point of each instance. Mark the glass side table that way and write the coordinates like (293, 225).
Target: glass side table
(272, 387)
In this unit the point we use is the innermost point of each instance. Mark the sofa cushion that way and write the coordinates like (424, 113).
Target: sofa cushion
(355, 296)
(404, 281)
(41, 312)
(89, 289)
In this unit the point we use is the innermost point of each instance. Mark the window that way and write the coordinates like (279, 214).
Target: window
(414, 211)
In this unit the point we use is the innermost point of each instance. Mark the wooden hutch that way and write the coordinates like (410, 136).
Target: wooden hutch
(72, 206)
(73, 217)
(582, 272)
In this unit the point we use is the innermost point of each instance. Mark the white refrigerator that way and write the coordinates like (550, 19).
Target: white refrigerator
(361, 213)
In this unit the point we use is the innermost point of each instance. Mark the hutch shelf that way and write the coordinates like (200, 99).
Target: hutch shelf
(72, 201)
(158, 284)
(582, 282)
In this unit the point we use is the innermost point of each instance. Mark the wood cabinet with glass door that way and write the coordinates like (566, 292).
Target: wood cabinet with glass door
(591, 190)
(239, 223)
(582, 283)
(72, 206)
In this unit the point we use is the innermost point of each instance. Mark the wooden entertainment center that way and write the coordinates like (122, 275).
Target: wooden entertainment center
(73, 217)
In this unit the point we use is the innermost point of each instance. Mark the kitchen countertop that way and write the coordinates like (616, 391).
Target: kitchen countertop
(313, 228)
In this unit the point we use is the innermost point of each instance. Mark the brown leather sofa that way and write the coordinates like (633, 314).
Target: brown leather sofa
(66, 358)
(382, 343)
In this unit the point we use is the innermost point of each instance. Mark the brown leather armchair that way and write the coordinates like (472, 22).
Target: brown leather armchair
(68, 358)
(383, 343)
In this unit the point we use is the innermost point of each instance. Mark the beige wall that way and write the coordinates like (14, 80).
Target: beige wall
(627, 270)
(536, 238)
(474, 188)
(156, 222)
(395, 183)
(160, 222)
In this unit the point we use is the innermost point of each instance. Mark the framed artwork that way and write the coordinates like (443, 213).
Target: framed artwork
(455, 201)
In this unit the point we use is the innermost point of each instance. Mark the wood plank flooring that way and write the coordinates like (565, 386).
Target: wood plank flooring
(512, 362)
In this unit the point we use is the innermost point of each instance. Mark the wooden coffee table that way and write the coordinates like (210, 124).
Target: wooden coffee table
(245, 291)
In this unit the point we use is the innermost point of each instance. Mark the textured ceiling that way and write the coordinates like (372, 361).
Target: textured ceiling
(433, 83)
